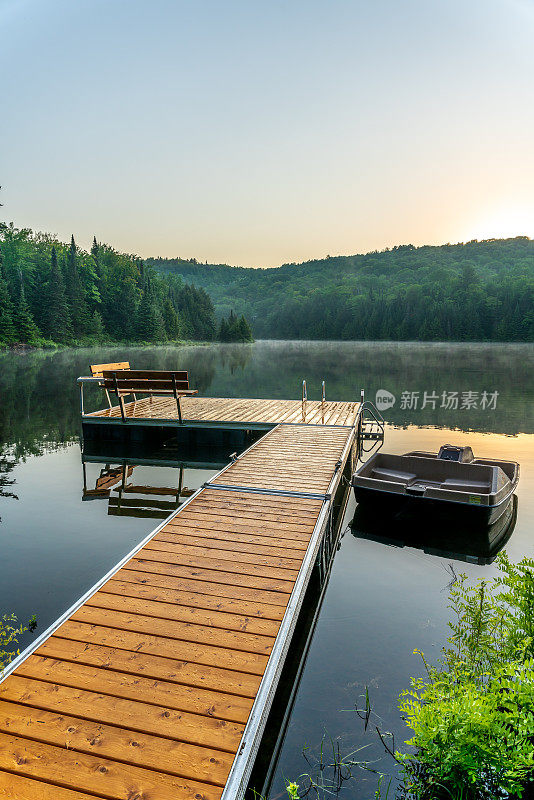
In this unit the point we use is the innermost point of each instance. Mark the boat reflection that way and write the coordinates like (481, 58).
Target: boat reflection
(115, 481)
(477, 544)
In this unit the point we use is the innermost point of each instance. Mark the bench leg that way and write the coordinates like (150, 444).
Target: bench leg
(179, 410)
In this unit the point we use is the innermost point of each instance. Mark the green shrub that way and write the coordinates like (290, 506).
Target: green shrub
(9, 636)
(471, 738)
(472, 718)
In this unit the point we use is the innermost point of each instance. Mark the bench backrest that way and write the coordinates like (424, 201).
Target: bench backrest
(145, 380)
(98, 369)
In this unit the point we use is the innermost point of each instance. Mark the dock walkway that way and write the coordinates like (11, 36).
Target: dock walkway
(157, 683)
(226, 412)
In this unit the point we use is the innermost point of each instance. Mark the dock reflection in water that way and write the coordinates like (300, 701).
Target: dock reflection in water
(464, 541)
(117, 467)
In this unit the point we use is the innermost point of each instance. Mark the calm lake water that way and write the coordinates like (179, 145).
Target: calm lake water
(57, 537)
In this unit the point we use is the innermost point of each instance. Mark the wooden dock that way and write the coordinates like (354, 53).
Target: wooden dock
(228, 412)
(156, 684)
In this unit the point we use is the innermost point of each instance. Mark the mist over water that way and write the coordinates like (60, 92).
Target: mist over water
(383, 599)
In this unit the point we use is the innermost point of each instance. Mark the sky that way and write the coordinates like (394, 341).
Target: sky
(261, 132)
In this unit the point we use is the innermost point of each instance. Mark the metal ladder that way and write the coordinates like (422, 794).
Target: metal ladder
(371, 429)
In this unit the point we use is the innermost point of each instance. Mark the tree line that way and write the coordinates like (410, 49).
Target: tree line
(52, 292)
(477, 291)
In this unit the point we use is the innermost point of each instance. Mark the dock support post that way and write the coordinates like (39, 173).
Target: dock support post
(119, 396)
(176, 398)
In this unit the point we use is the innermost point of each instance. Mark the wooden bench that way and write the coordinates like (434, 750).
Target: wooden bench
(98, 369)
(151, 382)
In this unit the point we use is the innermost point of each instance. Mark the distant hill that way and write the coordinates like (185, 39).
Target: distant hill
(477, 291)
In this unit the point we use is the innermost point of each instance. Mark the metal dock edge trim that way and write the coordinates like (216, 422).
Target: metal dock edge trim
(227, 487)
(33, 646)
(27, 652)
(238, 777)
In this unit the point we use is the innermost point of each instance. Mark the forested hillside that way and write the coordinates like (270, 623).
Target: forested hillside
(51, 292)
(478, 291)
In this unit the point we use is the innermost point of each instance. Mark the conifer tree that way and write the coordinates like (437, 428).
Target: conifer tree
(7, 328)
(223, 330)
(95, 252)
(149, 326)
(170, 320)
(26, 329)
(56, 318)
(75, 293)
(245, 330)
(97, 325)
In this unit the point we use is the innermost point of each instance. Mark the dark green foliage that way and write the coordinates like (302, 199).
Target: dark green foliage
(474, 291)
(75, 293)
(10, 631)
(75, 297)
(472, 718)
(7, 328)
(148, 322)
(96, 325)
(26, 330)
(55, 315)
(170, 320)
(235, 329)
(196, 311)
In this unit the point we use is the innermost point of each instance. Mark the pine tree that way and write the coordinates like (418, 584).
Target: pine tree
(56, 318)
(170, 320)
(97, 325)
(145, 321)
(7, 328)
(26, 329)
(75, 293)
(233, 332)
(245, 330)
(95, 252)
(223, 331)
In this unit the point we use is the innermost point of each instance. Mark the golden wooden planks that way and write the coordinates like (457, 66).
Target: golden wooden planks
(146, 689)
(244, 410)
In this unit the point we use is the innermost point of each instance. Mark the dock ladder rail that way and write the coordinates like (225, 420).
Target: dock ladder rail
(372, 427)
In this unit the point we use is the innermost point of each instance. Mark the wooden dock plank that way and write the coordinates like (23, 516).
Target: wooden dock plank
(184, 613)
(212, 601)
(183, 631)
(221, 560)
(179, 550)
(195, 541)
(264, 596)
(136, 715)
(182, 649)
(93, 773)
(158, 667)
(17, 787)
(145, 690)
(121, 744)
(199, 701)
(238, 410)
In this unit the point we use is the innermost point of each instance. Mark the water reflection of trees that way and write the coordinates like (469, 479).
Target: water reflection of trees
(39, 408)
(276, 369)
(7, 465)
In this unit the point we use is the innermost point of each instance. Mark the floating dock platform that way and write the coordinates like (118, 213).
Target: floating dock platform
(219, 412)
(157, 683)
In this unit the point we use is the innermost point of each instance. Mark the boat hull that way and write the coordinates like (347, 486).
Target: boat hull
(443, 509)
(465, 540)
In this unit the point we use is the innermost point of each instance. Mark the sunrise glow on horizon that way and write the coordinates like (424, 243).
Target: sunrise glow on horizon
(267, 133)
